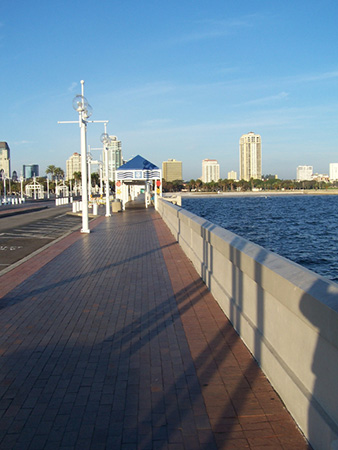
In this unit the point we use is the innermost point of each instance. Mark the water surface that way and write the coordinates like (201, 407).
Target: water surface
(300, 228)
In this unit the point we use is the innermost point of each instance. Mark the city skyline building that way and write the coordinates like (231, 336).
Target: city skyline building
(30, 170)
(250, 156)
(232, 175)
(172, 170)
(333, 171)
(210, 170)
(304, 173)
(73, 164)
(5, 160)
(114, 157)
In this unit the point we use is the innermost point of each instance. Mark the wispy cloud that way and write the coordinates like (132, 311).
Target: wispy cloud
(146, 90)
(265, 100)
(23, 142)
(156, 122)
(292, 118)
(72, 87)
(215, 28)
(314, 77)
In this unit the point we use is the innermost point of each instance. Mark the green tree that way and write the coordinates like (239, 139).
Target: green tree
(199, 184)
(77, 176)
(59, 173)
(51, 171)
(177, 185)
(192, 184)
(95, 178)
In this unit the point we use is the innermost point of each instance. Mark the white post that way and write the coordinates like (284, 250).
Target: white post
(89, 179)
(5, 199)
(101, 176)
(47, 187)
(83, 126)
(105, 145)
(85, 227)
(155, 194)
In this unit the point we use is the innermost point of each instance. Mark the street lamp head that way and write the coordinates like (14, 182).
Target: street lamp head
(80, 103)
(105, 139)
(88, 112)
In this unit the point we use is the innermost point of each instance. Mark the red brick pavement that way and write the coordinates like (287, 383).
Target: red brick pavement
(244, 410)
(111, 341)
(30, 265)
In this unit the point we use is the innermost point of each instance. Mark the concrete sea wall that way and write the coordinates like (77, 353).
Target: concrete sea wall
(286, 315)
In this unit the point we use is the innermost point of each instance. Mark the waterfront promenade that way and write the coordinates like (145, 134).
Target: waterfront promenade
(112, 341)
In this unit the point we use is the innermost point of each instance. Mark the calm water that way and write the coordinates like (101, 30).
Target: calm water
(300, 228)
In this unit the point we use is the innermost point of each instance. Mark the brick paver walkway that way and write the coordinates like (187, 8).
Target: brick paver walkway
(111, 340)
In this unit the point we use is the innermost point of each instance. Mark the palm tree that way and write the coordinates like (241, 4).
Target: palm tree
(95, 178)
(59, 173)
(192, 184)
(51, 170)
(77, 176)
(199, 183)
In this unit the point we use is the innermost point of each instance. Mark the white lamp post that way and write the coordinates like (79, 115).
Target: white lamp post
(99, 163)
(81, 105)
(105, 139)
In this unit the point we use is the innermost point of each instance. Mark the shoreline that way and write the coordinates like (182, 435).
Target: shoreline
(250, 193)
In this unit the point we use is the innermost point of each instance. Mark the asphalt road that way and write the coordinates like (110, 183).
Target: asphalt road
(22, 234)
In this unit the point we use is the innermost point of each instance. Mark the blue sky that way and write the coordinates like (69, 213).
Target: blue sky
(176, 79)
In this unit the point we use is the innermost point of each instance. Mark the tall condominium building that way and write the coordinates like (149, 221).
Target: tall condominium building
(172, 170)
(30, 170)
(114, 158)
(304, 173)
(333, 173)
(250, 156)
(73, 164)
(5, 160)
(210, 170)
(232, 175)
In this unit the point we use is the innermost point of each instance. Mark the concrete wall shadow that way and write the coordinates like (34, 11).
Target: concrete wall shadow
(262, 293)
(323, 402)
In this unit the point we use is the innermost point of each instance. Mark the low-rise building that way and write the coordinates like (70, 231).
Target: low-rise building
(5, 160)
(304, 173)
(333, 172)
(172, 170)
(232, 175)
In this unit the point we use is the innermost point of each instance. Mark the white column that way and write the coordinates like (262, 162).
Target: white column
(107, 181)
(85, 225)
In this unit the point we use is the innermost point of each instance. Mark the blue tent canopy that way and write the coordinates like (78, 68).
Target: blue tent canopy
(138, 163)
(138, 168)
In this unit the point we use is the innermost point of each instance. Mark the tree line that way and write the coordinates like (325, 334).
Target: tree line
(227, 185)
(56, 176)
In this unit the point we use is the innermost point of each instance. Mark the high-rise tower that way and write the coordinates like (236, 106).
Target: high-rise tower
(73, 164)
(114, 157)
(210, 170)
(250, 156)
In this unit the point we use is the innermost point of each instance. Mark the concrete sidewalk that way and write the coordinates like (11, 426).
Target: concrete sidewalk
(111, 340)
